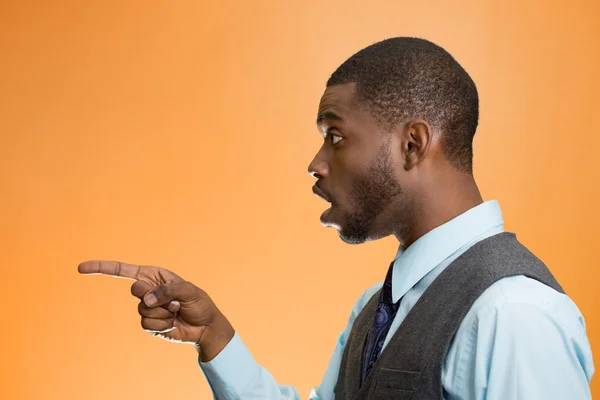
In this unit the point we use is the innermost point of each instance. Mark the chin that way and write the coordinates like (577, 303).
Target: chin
(358, 236)
(351, 236)
(351, 233)
(352, 239)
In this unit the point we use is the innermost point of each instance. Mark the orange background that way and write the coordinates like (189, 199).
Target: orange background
(178, 133)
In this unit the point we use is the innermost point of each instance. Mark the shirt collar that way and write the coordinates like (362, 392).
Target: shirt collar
(427, 252)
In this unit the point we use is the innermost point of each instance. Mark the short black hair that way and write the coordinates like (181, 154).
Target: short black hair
(402, 78)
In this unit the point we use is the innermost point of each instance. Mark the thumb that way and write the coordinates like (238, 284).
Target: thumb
(163, 294)
(140, 288)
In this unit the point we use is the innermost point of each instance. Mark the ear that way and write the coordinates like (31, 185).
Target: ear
(416, 137)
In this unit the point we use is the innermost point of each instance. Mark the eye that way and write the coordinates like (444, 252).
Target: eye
(333, 137)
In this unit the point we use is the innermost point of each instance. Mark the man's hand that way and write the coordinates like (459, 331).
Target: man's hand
(171, 308)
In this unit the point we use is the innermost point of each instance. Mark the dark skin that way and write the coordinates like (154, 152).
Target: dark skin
(379, 183)
(432, 190)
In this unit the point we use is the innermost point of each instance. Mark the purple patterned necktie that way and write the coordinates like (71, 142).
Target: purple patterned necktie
(386, 310)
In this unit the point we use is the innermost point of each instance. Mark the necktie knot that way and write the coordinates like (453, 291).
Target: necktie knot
(386, 290)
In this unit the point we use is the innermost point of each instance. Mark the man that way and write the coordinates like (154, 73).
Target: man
(465, 311)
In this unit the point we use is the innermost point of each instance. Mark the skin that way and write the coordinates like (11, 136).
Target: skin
(422, 190)
(379, 183)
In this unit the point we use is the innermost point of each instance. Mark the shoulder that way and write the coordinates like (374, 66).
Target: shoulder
(518, 304)
(525, 320)
(509, 302)
(519, 327)
(519, 295)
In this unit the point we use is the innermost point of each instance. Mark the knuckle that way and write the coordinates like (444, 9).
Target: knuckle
(155, 325)
(154, 312)
(160, 292)
(189, 287)
(166, 289)
(137, 289)
(142, 309)
(146, 323)
(162, 313)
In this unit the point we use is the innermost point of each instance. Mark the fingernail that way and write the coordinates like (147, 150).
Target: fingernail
(150, 299)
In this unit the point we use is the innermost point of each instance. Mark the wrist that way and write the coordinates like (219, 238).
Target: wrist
(214, 338)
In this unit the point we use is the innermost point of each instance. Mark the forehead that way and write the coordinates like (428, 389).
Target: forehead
(340, 108)
(338, 99)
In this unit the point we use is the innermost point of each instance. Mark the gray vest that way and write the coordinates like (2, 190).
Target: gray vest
(410, 366)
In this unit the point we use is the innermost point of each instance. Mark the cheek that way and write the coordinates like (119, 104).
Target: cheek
(348, 165)
(343, 176)
(352, 161)
(347, 190)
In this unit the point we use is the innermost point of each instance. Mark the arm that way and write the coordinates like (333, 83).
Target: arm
(177, 310)
(234, 374)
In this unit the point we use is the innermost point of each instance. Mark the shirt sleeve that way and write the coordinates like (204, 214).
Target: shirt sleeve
(234, 374)
(522, 350)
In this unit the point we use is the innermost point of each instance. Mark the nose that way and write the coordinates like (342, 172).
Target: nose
(318, 168)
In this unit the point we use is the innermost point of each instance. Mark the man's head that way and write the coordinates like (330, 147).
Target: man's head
(394, 116)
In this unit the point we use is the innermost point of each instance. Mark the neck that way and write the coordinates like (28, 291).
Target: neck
(453, 195)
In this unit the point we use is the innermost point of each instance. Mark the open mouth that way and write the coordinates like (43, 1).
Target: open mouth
(320, 194)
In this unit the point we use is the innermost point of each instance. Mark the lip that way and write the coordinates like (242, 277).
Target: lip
(321, 194)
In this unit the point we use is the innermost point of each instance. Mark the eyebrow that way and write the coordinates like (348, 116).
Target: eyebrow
(329, 115)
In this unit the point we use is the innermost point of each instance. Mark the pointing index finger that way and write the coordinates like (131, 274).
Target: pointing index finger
(112, 268)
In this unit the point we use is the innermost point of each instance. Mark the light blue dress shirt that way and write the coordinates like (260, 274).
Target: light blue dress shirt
(521, 340)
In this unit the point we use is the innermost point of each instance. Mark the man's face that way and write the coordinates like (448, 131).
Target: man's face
(354, 168)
